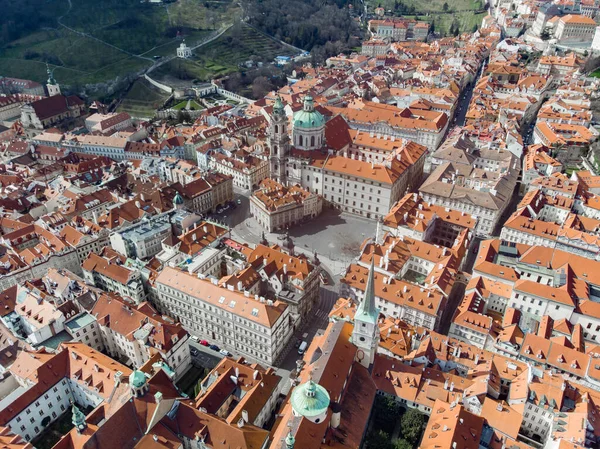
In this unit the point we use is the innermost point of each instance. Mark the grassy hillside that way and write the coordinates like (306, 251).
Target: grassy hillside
(93, 42)
(466, 13)
(143, 99)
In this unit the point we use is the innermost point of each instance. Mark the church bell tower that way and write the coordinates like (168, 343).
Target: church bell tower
(366, 329)
(279, 141)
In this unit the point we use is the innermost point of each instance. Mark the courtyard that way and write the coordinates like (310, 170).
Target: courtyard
(335, 237)
(54, 432)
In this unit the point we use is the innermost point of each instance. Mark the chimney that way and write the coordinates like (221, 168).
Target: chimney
(240, 285)
(336, 415)
(245, 415)
(158, 397)
(284, 268)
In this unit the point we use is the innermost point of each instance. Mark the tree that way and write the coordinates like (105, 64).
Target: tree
(445, 7)
(402, 444)
(591, 64)
(379, 440)
(545, 34)
(413, 424)
(432, 27)
(261, 86)
(386, 412)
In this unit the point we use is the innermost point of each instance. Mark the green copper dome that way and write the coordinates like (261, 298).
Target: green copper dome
(137, 379)
(310, 399)
(308, 118)
(177, 199)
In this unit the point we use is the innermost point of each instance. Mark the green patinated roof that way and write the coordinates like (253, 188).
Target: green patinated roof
(310, 399)
(78, 419)
(166, 368)
(137, 379)
(177, 199)
(278, 106)
(307, 117)
(290, 440)
(366, 310)
(51, 79)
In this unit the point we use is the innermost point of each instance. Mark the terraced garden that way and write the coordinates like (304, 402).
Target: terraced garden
(238, 45)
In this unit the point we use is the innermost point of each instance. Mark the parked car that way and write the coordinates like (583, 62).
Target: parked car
(302, 347)
(194, 352)
(215, 348)
(204, 343)
(195, 338)
(225, 352)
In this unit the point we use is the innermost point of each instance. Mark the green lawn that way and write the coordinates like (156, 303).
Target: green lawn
(468, 13)
(193, 105)
(429, 6)
(121, 37)
(143, 99)
(595, 74)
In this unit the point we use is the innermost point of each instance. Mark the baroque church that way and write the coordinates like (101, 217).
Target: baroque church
(357, 172)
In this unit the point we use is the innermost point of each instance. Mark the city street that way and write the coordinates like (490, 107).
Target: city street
(335, 237)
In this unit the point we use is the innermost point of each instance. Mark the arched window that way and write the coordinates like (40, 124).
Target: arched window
(312, 141)
(300, 140)
(276, 129)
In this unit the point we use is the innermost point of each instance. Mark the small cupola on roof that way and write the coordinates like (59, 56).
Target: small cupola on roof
(177, 201)
(138, 383)
(311, 401)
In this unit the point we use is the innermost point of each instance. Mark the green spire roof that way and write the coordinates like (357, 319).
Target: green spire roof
(310, 399)
(78, 419)
(290, 440)
(278, 106)
(137, 379)
(366, 310)
(50, 73)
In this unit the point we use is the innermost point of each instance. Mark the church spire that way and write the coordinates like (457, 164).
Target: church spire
(290, 440)
(366, 310)
(78, 419)
(365, 334)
